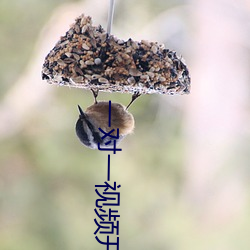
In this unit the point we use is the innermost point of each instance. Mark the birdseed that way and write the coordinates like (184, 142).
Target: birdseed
(87, 57)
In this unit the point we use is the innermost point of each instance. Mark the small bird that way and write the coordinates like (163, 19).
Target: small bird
(95, 120)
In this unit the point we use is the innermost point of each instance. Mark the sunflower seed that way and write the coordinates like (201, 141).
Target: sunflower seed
(61, 62)
(68, 54)
(103, 80)
(85, 46)
(154, 49)
(150, 74)
(88, 62)
(77, 57)
(69, 60)
(134, 72)
(95, 76)
(78, 70)
(152, 69)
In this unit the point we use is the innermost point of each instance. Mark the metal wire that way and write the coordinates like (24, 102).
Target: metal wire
(110, 15)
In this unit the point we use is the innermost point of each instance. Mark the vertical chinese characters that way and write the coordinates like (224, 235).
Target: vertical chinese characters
(108, 200)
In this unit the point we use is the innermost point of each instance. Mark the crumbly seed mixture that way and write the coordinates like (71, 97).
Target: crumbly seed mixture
(87, 57)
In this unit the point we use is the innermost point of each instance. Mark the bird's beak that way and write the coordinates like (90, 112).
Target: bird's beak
(82, 115)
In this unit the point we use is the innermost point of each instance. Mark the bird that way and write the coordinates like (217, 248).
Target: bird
(94, 125)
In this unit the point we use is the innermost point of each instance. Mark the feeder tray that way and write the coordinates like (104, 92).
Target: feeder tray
(88, 57)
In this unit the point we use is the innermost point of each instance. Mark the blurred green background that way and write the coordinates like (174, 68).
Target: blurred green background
(184, 173)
